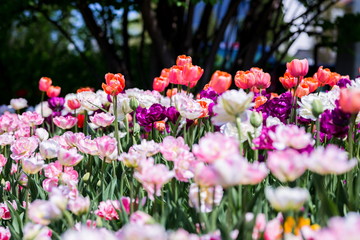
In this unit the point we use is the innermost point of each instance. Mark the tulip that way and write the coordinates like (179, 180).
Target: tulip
(262, 79)
(115, 83)
(18, 103)
(245, 80)
(160, 83)
(220, 81)
(44, 84)
(302, 90)
(53, 91)
(183, 60)
(323, 76)
(288, 81)
(191, 75)
(350, 100)
(298, 68)
(285, 198)
(175, 75)
(73, 104)
(313, 83)
(65, 122)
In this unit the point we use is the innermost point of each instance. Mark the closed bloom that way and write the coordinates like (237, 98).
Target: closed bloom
(220, 81)
(69, 157)
(208, 198)
(102, 119)
(323, 76)
(330, 160)
(245, 80)
(160, 83)
(44, 84)
(183, 60)
(53, 91)
(286, 165)
(115, 83)
(262, 79)
(231, 104)
(192, 74)
(65, 122)
(18, 103)
(286, 199)
(298, 68)
(350, 100)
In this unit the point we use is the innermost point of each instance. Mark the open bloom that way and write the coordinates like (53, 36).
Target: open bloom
(153, 178)
(33, 164)
(115, 83)
(65, 122)
(286, 165)
(69, 157)
(43, 212)
(285, 198)
(330, 160)
(23, 147)
(18, 103)
(5, 233)
(231, 104)
(102, 119)
(209, 197)
(298, 68)
(290, 136)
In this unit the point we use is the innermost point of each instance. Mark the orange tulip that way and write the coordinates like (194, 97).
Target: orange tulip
(260, 100)
(53, 91)
(302, 90)
(244, 80)
(85, 89)
(115, 83)
(183, 60)
(220, 81)
(288, 81)
(165, 73)
(171, 92)
(350, 100)
(323, 76)
(44, 84)
(333, 79)
(312, 83)
(298, 68)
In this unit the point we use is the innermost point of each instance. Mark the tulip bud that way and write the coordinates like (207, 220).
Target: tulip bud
(134, 103)
(86, 177)
(136, 128)
(256, 119)
(317, 108)
(98, 183)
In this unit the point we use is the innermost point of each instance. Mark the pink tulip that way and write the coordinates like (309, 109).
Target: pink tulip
(102, 119)
(65, 122)
(350, 100)
(5, 233)
(245, 80)
(159, 84)
(183, 60)
(44, 84)
(286, 165)
(262, 79)
(31, 118)
(23, 147)
(298, 68)
(153, 177)
(53, 91)
(69, 157)
(107, 148)
(171, 147)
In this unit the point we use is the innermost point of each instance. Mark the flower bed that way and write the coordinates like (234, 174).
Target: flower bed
(168, 164)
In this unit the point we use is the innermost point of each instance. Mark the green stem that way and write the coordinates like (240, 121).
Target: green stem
(317, 132)
(350, 135)
(116, 125)
(238, 125)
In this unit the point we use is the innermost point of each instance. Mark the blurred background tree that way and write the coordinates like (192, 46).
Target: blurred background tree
(75, 42)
